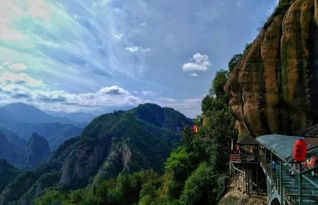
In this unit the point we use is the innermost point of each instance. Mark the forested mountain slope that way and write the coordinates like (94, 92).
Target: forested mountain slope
(123, 141)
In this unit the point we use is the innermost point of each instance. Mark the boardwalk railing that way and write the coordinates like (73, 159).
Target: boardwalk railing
(243, 157)
(297, 188)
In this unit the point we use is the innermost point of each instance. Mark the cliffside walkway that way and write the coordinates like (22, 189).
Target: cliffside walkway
(288, 183)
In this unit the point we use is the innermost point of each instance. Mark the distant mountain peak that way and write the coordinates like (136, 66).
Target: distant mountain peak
(21, 107)
(149, 105)
(30, 114)
(161, 116)
(19, 104)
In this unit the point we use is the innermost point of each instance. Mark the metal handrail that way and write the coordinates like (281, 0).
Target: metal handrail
(290, 198)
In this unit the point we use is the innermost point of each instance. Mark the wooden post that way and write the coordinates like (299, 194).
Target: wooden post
(257, 184)
(299, 185)
(232, 145)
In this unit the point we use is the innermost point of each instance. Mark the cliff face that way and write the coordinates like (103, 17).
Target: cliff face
(273, 89)
(36, 151)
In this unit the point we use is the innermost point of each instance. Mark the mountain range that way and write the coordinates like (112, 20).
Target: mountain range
(24, 120)
(122, 141)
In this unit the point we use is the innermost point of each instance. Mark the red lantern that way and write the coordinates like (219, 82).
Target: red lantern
(299, 150)
(195, 128)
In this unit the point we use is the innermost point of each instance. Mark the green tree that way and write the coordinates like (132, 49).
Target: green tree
(77, 197)
(179, 163)
(52, 197)
(197, 189)
(218, 84)
(234, 61)
(187, 136)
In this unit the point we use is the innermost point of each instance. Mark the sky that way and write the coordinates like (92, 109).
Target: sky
(80, 55)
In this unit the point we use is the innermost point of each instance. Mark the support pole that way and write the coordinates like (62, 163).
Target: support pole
(257, 184)
(299, 185)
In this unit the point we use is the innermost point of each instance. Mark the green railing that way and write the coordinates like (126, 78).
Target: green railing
(299, 189)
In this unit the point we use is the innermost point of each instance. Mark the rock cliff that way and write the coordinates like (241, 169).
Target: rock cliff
(36, 151)
(273, 89)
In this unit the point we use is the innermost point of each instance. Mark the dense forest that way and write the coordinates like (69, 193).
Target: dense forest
(195, 172)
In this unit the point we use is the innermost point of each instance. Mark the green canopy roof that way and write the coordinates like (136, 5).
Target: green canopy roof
(280, 145)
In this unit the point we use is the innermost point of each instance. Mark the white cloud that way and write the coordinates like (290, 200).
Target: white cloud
(112, 96)
(194, 75)
(21, 87)
(59, 100)
(18, 66)
(199, 62)
(19, 78)
(136, 49)
(118, 36)
(113, 90)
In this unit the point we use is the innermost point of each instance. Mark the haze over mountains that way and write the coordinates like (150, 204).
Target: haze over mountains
(25, 130)
(24, 113)
(122, 141)
(29, 114)
(24, 120)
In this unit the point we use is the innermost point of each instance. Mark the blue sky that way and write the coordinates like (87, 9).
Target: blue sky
(80, 55)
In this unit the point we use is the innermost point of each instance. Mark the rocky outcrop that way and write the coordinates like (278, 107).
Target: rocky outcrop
(273, 89)
(36, 151)
(84, 161)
